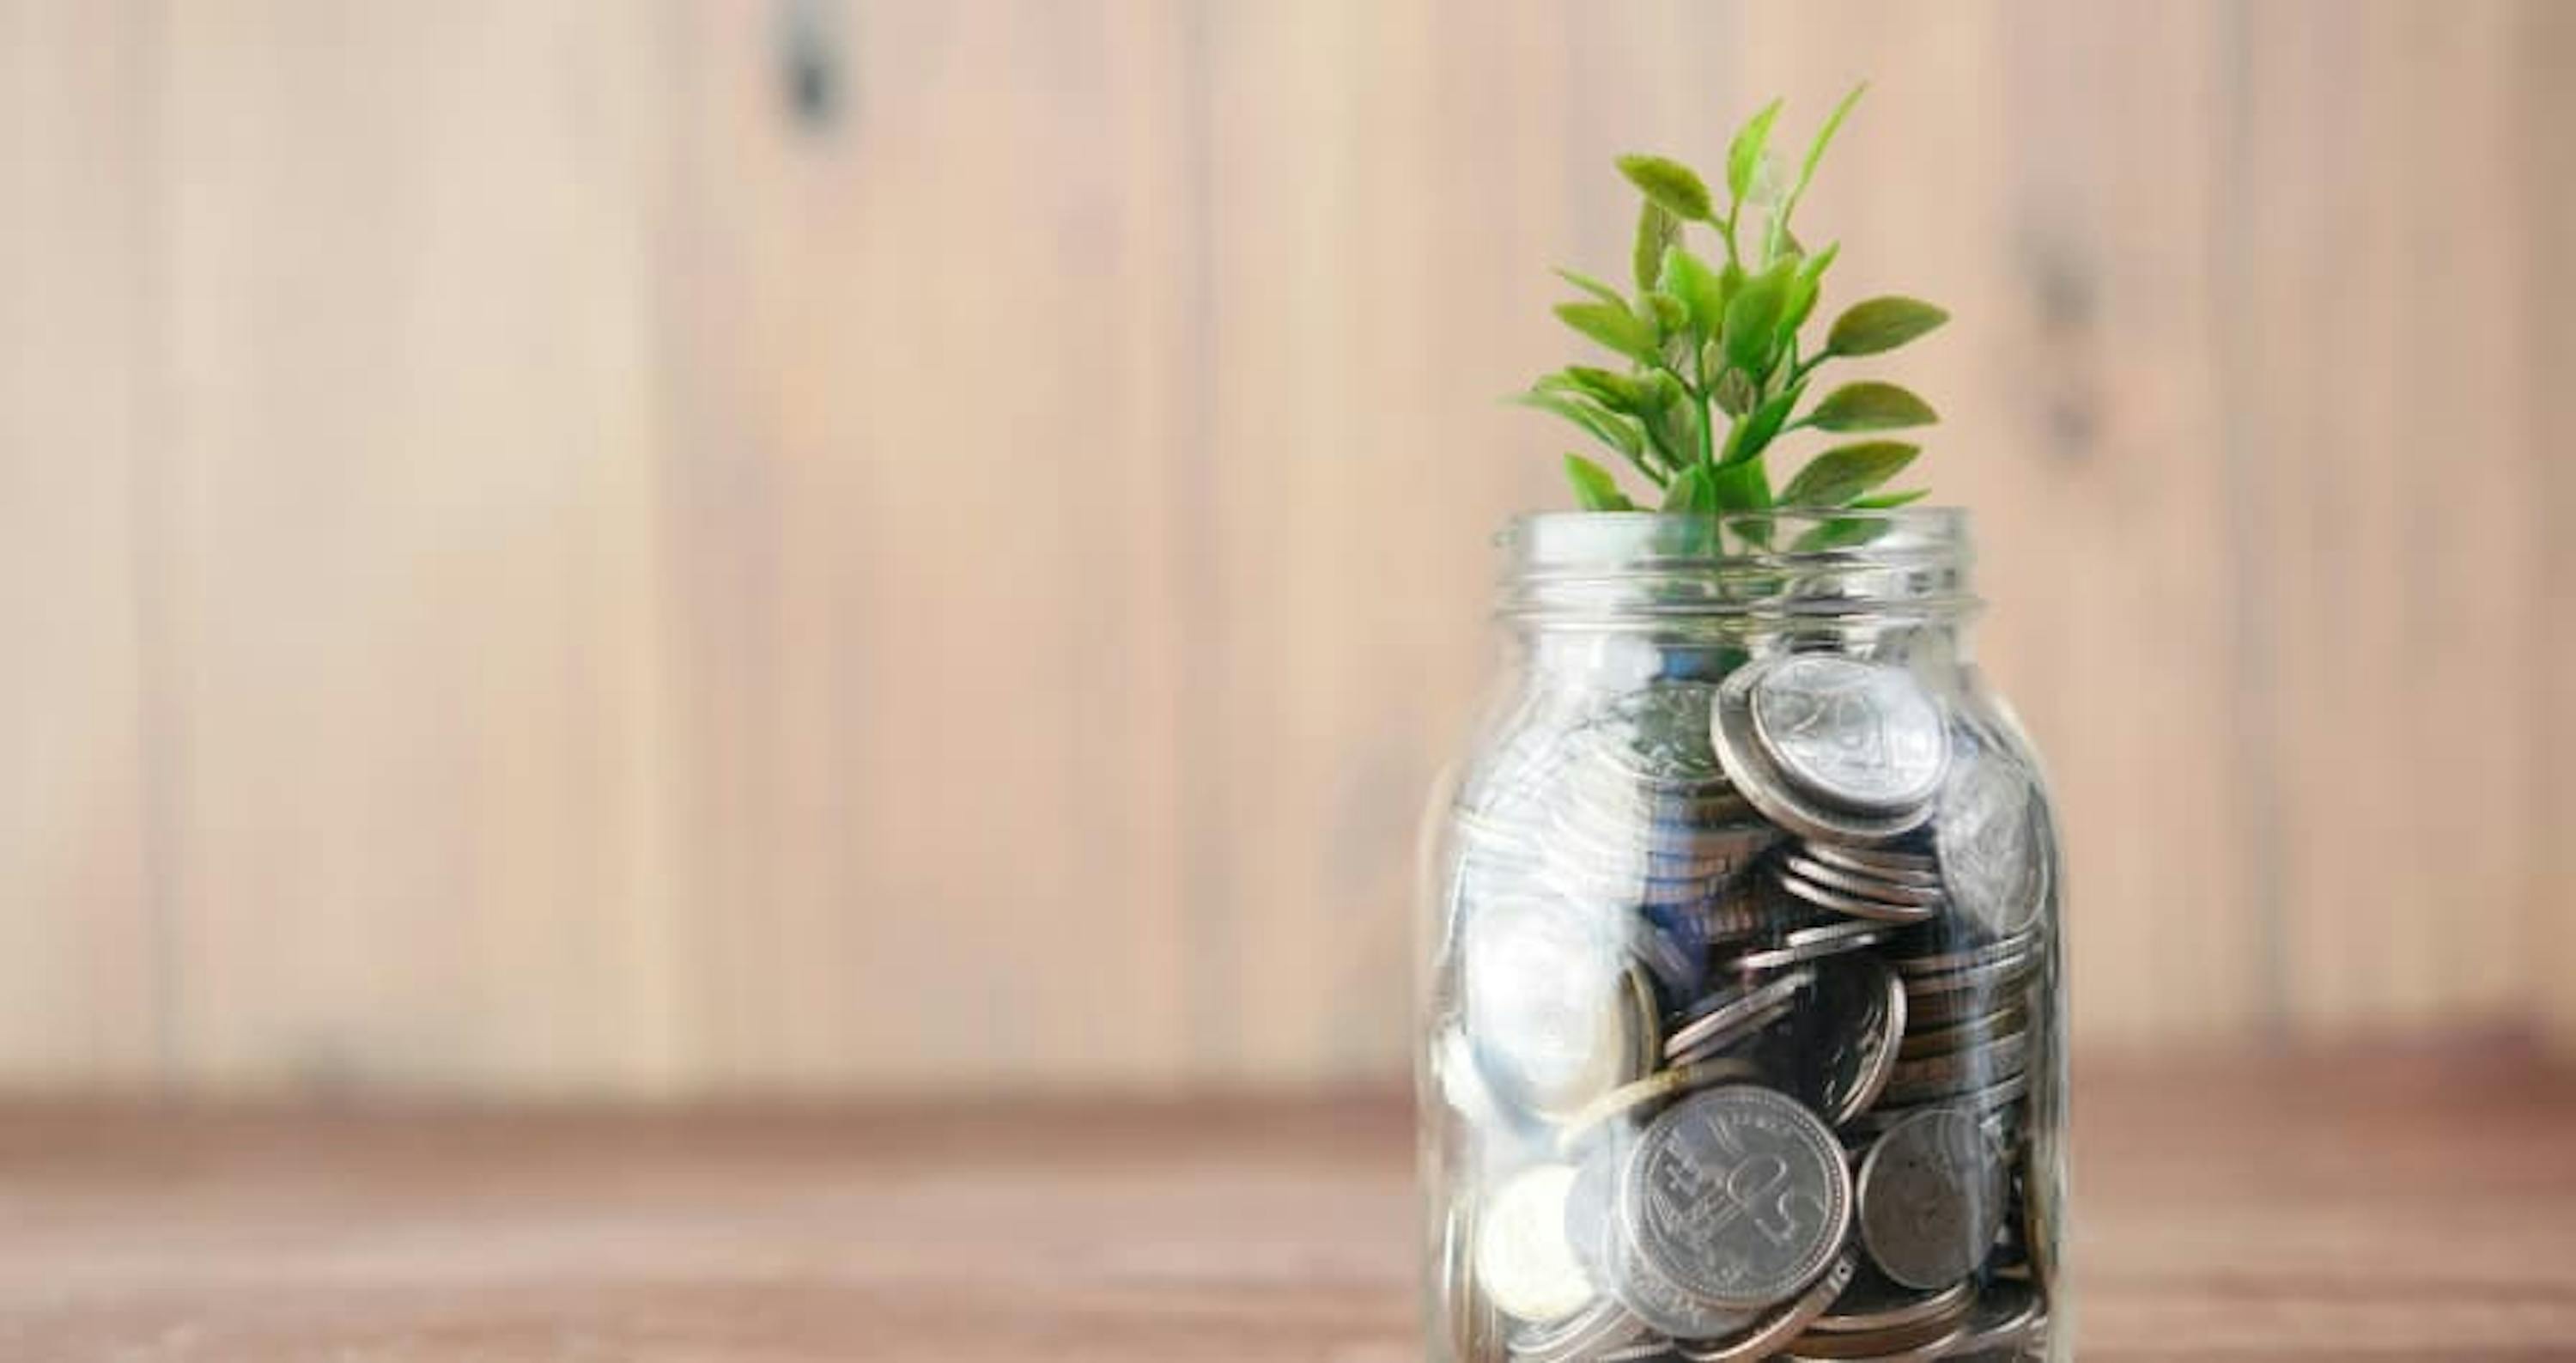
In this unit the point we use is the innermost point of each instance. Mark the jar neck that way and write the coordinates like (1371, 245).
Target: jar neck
(1615, 593)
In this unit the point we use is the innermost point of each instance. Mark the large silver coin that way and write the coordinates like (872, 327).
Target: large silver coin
(1865, 736)
(1758, 777)
(1548, 1003)
(1992, 841)
(1523, 1260)
(1738, 1195)
(1932, 1194)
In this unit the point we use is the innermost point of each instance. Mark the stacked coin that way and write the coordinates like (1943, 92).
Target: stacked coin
(1744, 1003)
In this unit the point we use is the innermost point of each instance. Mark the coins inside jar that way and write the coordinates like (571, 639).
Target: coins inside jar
(1748, 1029)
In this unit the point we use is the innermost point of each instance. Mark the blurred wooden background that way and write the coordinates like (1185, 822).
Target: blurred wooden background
(684, 547)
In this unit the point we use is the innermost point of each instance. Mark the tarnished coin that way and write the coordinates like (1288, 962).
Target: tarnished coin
(2006, 1316)
(1927, 1339)
(1932, 1194)
(1836, 1054)
(1717, 1020)
(1873, 1303)
(1766, 1339)
(1755, 773)
(1523, 1260)
(1548, 1003)
(1814, 944)
(1737, 1194)
(1863, 736)
(1994, 862)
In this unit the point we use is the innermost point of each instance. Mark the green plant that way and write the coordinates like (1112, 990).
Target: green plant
(1715, 371)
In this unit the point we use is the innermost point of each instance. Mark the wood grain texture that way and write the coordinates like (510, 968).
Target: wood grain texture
(79, 947)
(2338, 1207)
(804, 543)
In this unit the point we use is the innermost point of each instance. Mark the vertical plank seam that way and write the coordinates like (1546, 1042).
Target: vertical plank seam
(2549, 347)
(161, 747)
(2256, 684)
(1209, 956)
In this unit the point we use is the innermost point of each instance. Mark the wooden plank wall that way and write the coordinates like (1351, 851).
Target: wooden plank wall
(786, 543)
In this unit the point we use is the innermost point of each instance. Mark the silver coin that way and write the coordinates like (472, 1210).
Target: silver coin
(1944, 1009)
(1932, 1193)
(1863, 736)
(1766, 1339)
(1944, 962)
(1771, 792)
(1660, 732)
(1931, 1077)
(1999, 973)
(1524, 1263)
(1753, 1030)
(1737, 1194)
(1835, 1056)
(1604, 1325)
(1632, 1101)
(1548, 1003)
(1880, 863)
(1865, 885)
(1995, 1105)
(1717, 1019)
(2006, 1316)
(1812, 944)
(1843, 902)
(1982, 1030)
(1993, 856)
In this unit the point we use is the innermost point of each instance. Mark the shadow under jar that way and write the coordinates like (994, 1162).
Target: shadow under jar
(1742, 971)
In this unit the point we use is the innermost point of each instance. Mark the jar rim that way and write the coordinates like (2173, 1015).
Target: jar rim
(1578, 565)
(1673, 530)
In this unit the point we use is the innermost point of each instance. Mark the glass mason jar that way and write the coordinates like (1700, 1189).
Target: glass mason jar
(1743, 1027)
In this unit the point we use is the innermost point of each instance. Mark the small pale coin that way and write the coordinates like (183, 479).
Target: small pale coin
(1866, 737)
(1836, 1055)
(1878, 863)
(1874, 1303)
(1738, 1194)
(1523, 1261)
(1993, 844)
(1720, 1015)
(1853, 905)
(1766, 1339)
(1603, 1326)
(2006, 1316)
(1863, 884)
(1932, 1193)
(1631, 1100)
(1762, 783)
(1813, 944)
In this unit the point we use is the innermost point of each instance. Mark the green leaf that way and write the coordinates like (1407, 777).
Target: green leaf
(1594, 489)
(1690, 491)
(1840, 474)
(1741, 486)
(1749, 439)
(1669, 313)
(1610, 428)
(1615, 327)
(1672, 420)
(1736, 392)
(1593, 287)
(1744, 154)
(1871, 407)
(1879, 324)
(1815, 155)
(1752, 319)
(1703, 293)
(1674, 187)
(1618, 392)
(1657, 231)
(1805, 287)
(1889, 501)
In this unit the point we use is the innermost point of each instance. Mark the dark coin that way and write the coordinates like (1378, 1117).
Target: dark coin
(1932, 1194)
(1836, 1054)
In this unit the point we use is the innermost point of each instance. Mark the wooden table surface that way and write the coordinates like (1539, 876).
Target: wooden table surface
(2364, 1207)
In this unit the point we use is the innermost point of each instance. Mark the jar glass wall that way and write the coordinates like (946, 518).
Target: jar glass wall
(1742, 964)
